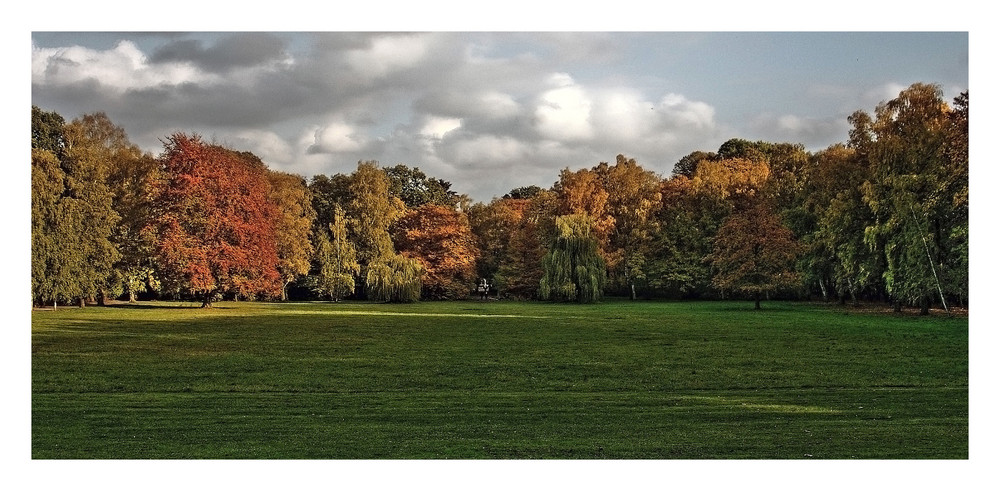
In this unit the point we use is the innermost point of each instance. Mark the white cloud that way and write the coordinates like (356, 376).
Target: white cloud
(436, 127)
(337, 137)
(120, 68)
(388, 54)
(269, 146)
(563, 113)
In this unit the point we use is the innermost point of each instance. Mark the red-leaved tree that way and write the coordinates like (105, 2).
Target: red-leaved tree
(213, 222)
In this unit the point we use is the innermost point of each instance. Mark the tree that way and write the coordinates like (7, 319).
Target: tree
(372, 210)
(394, 279)
(327, 193)
(337, 259)
(688, 164)
(414, 188)
(214, 222)
(911, 194)
(293, 227)
(520, 270)
(633, 198)
(754, 254)
(523, 192)
(686, 224)
(128, 174)
(72, 216)
(441, 239)
(573, 270)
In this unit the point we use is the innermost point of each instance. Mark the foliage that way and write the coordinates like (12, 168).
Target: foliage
(911, 192)
(573, 270)
(293, 228)
(395, 279)
(214, 222)
(633, 198)
(72, 215)
(688, 164)
(754, 254)
(337, 259)
(415, 189)
(441, 240)
(372, 210)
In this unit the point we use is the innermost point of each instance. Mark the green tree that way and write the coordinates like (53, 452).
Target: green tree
(573, 269)
(128, 174)
(687, 222)
(72, 215)
(394, 279)
(337, 259)
(415, 189)
(911, 194)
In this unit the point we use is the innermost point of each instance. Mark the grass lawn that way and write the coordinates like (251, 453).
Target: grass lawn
(497, 380)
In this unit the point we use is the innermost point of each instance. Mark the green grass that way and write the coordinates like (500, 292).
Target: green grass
(474, 380)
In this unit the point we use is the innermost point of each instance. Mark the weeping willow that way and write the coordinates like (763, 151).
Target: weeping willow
(573, 270)
(394, 279)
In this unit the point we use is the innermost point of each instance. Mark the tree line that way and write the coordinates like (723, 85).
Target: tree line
(882, 216)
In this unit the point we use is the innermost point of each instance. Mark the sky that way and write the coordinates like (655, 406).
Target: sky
(486, 111)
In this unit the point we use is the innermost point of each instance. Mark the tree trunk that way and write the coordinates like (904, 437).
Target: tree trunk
(131, 296)
(207, 300)
(284, 290)
(822, 288)
(756, 302)
(83, 302)
(100, 298)
(633, 291)
(925, 306)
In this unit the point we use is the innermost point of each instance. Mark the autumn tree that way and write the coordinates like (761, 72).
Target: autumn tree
(337, 259)
(520, 270)
(293, 228)
(633, 199)
(573, 269)
(754, 254)
(440, 238)
(214, 222)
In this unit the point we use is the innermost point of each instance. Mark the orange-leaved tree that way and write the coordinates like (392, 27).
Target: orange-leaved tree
(439, 237)
(754, 253)
(214, 222)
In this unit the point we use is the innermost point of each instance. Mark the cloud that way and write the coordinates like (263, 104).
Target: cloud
(337, 137)
(118, 69)
(236, 50)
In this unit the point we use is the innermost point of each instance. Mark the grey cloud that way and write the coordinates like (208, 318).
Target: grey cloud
(232, 51)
